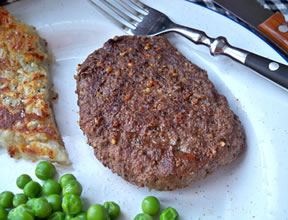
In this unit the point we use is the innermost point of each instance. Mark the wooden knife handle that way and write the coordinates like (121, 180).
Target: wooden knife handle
(270, 28)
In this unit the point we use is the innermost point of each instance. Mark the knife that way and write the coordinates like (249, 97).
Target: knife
(271, 26)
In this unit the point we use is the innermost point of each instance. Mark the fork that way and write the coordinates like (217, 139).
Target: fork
(6, 2)
(137, 18)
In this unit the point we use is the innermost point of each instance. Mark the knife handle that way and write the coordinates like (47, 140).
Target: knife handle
(270, 28)
(277, 72)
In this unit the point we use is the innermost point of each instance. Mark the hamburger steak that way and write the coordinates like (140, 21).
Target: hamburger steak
(152, 116)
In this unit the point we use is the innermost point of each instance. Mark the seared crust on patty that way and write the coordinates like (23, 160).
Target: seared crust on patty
(152, 116)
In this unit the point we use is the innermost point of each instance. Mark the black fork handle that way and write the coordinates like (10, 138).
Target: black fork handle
(275, 71)
(5, 2)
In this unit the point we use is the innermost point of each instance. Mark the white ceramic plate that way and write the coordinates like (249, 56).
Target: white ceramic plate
(254, 187)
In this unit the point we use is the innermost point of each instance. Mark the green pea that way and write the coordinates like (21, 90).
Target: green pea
(3, 214)
(6, 199)
(19, 199)
(68, 217)
(32, 189)
(24, 208)
(151, 205)
(41, 208)
(97, 212)
(30, 202)
(72, 204)
(57, 216)
(23, 180)
(23, 216)
(65, 178)
(143, 216)
(11, 214)
(78, 218)
(169, 214)
(72, 187)
(55, 201)
(82, 216)
(51, 187)
(45, 170)
(22, 212)
(113, 209)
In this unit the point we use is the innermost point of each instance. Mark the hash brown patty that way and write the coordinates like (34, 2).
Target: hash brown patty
(27, 126)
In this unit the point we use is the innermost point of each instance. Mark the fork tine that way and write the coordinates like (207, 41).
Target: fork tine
(134, 12)
(120, 13)
(112, 18)
(140, 5)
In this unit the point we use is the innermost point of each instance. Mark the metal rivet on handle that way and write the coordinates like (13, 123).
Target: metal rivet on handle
(273, 66)
(283, 28)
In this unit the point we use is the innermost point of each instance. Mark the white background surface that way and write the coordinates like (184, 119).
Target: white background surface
(253, 187)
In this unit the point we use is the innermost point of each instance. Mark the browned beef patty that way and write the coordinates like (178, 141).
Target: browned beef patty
(152, 116)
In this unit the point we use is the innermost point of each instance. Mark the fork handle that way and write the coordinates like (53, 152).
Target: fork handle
(272, 70)
(6, 2)
(275, 71)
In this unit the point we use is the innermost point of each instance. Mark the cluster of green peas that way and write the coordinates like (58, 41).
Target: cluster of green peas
(29, 205)
(151, 207)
